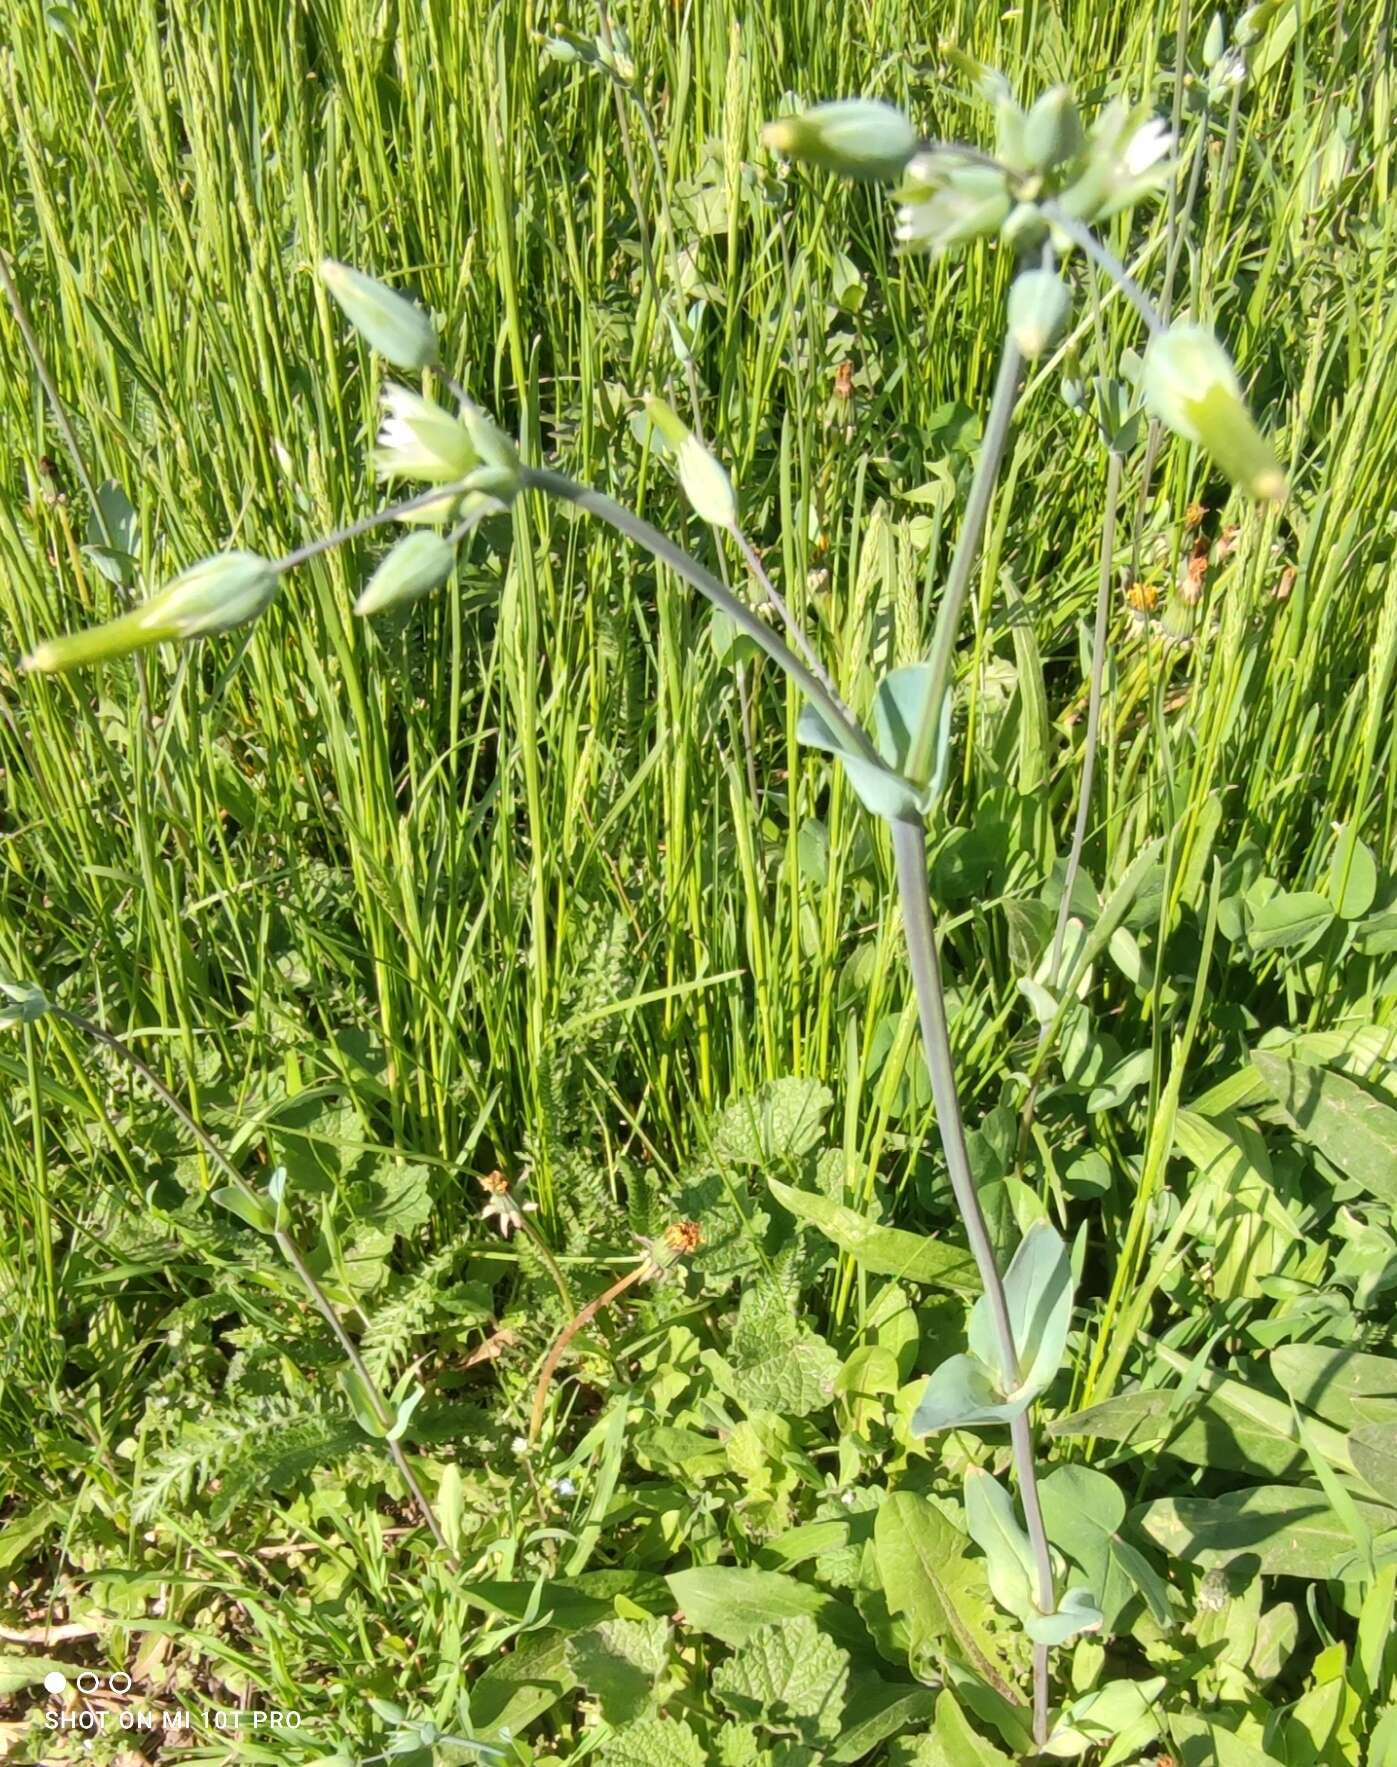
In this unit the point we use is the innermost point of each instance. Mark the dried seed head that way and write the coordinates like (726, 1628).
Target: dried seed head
(683, 1237)
(496, 1183)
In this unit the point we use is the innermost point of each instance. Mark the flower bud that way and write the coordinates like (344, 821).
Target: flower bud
(1053, 130)
(1038, 306)
(1215, 41)
(974, 200)
(413, 568)
(1190, 385)
(499, 457)
(397, 328)
(1127, 159)
(213, 596)
(419, 440)
(702, 476)
(856, 137)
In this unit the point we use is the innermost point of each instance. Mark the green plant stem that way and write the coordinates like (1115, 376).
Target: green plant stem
(288, 1249)
(943, 643)
(1098, 672)
(661, 547)
(60, 415)
(1106, 260)
(328, 542)
(786, 617)
(909, 851)
(550, 1263)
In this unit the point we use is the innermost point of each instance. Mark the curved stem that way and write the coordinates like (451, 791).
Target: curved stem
(909, 851)
(285, 1244)
(786, 617)
(395, 511)
(943, 643)
(1098, 671)
(569, 1332)
(1108, 261)
(661, 547)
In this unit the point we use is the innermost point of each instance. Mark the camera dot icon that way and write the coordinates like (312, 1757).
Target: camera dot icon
(55, 1681)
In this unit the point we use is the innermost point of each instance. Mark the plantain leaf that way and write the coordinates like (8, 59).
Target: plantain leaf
(887, 1251)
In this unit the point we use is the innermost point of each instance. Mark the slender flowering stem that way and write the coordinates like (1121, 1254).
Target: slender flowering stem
(395, 512)
(646, 1267)
(793, 627)
(1107, 260)
(943, 643)
(1098, 670)
(60, 415)
(909, 851)
(285, 1244)
(660, 546)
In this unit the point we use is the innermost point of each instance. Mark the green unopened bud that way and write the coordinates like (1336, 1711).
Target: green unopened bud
(1190, 385)
(221, 592)
(21, 1003)
(1215, 41)
(856, 137)
(412, 569)
(419, 440)
(1256, 21)
(1009, 122)
(973, 201)
(397, 328)
(1053, 130)
(499, 456)
(1038, 307)
(702, 476)
(987, 81)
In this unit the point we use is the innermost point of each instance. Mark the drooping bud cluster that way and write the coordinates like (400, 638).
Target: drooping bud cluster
(856, 137)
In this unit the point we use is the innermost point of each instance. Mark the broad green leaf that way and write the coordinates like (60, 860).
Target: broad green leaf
(251, 1209)
(619, 1662)
(730, 1602)
(1200, 1742)
(1348, 1387)
(887, 1251)
(876, 1710)
(928, 1576)
(1289, 919)
(789, 1675)
(1224, 1423)
(1374, 1450)
(1038, 1292)
(797, 1378)
(951, 1742)
(655, 1742)
(519, 1688)
(1279, 1530)
(571, 1603)
(1351, 1128)
(361, 1402)
(1125, 1709)
(1353, 876)
(781, 1121)
(1235, 1206)
(994, 1527)
(1084, 1512)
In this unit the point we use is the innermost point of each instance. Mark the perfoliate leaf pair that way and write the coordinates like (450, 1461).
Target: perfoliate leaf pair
(1009, 1565)
(977, 1388)
(21, 1003)
(897, 711)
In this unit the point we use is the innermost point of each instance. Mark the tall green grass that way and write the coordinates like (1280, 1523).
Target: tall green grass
(382, 860)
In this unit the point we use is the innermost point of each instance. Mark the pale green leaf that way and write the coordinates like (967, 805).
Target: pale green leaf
(887, 1251)
(1351, 1127)
(789, 1675)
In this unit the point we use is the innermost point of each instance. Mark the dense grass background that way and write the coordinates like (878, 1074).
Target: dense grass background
(492, 881)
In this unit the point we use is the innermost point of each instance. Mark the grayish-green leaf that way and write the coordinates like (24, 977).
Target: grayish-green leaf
(887, 1251)
(1084, 1512)
(1351, 1127)
(1279, 1530)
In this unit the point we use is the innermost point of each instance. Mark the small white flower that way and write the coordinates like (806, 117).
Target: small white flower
(419, 440)
(520, 1445)
(504, 1206)
(564, 1487)
(1147, 146)
(847, 1499)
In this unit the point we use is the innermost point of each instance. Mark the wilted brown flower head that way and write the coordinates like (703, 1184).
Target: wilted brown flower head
(496, 1183)
(683, 1237)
